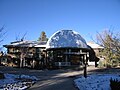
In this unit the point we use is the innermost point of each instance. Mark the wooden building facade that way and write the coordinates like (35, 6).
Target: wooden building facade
(64, 48)
(25, 53)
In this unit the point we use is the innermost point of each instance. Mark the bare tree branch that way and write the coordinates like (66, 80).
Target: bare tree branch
(111, 43)
(2, 33)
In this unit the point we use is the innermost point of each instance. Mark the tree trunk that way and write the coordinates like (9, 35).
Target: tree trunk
(21, 61)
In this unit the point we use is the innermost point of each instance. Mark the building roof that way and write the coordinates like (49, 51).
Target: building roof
(66, 38)
(27, 44)
(94, 45)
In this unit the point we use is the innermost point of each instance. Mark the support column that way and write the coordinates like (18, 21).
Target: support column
(66, 57)
(33, 63)
(69, 56)
(21, 61)
(53, 61)
(46, 59)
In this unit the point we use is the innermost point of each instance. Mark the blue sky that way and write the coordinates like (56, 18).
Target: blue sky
(33, 16)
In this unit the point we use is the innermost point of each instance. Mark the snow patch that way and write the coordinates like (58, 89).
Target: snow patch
(17, 82)
(95, 82)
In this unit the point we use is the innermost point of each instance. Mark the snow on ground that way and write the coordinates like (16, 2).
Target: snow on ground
(95, 82)
(16, 82)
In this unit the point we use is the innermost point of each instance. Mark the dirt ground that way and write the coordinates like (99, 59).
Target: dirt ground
(61, 79)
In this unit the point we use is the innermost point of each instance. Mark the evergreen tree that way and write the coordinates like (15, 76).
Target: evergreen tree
(42, 37)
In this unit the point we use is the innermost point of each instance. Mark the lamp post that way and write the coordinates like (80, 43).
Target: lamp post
(85, 65)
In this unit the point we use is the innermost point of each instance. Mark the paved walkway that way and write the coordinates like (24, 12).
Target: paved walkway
(56, 79)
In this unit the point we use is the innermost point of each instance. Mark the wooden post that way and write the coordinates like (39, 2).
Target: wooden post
(85, 65)
(46, 59)
(66, 56)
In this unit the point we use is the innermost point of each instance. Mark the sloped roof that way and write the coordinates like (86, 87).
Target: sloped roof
(66, 38)
(27, 44)
(94, 45)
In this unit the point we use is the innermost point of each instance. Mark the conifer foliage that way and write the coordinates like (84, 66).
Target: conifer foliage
(42, 37)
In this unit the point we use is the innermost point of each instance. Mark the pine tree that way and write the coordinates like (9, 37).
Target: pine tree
(42, 37)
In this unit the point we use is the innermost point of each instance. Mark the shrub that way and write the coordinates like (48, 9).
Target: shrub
(114, 84)
(2, 75)
(101, 64)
